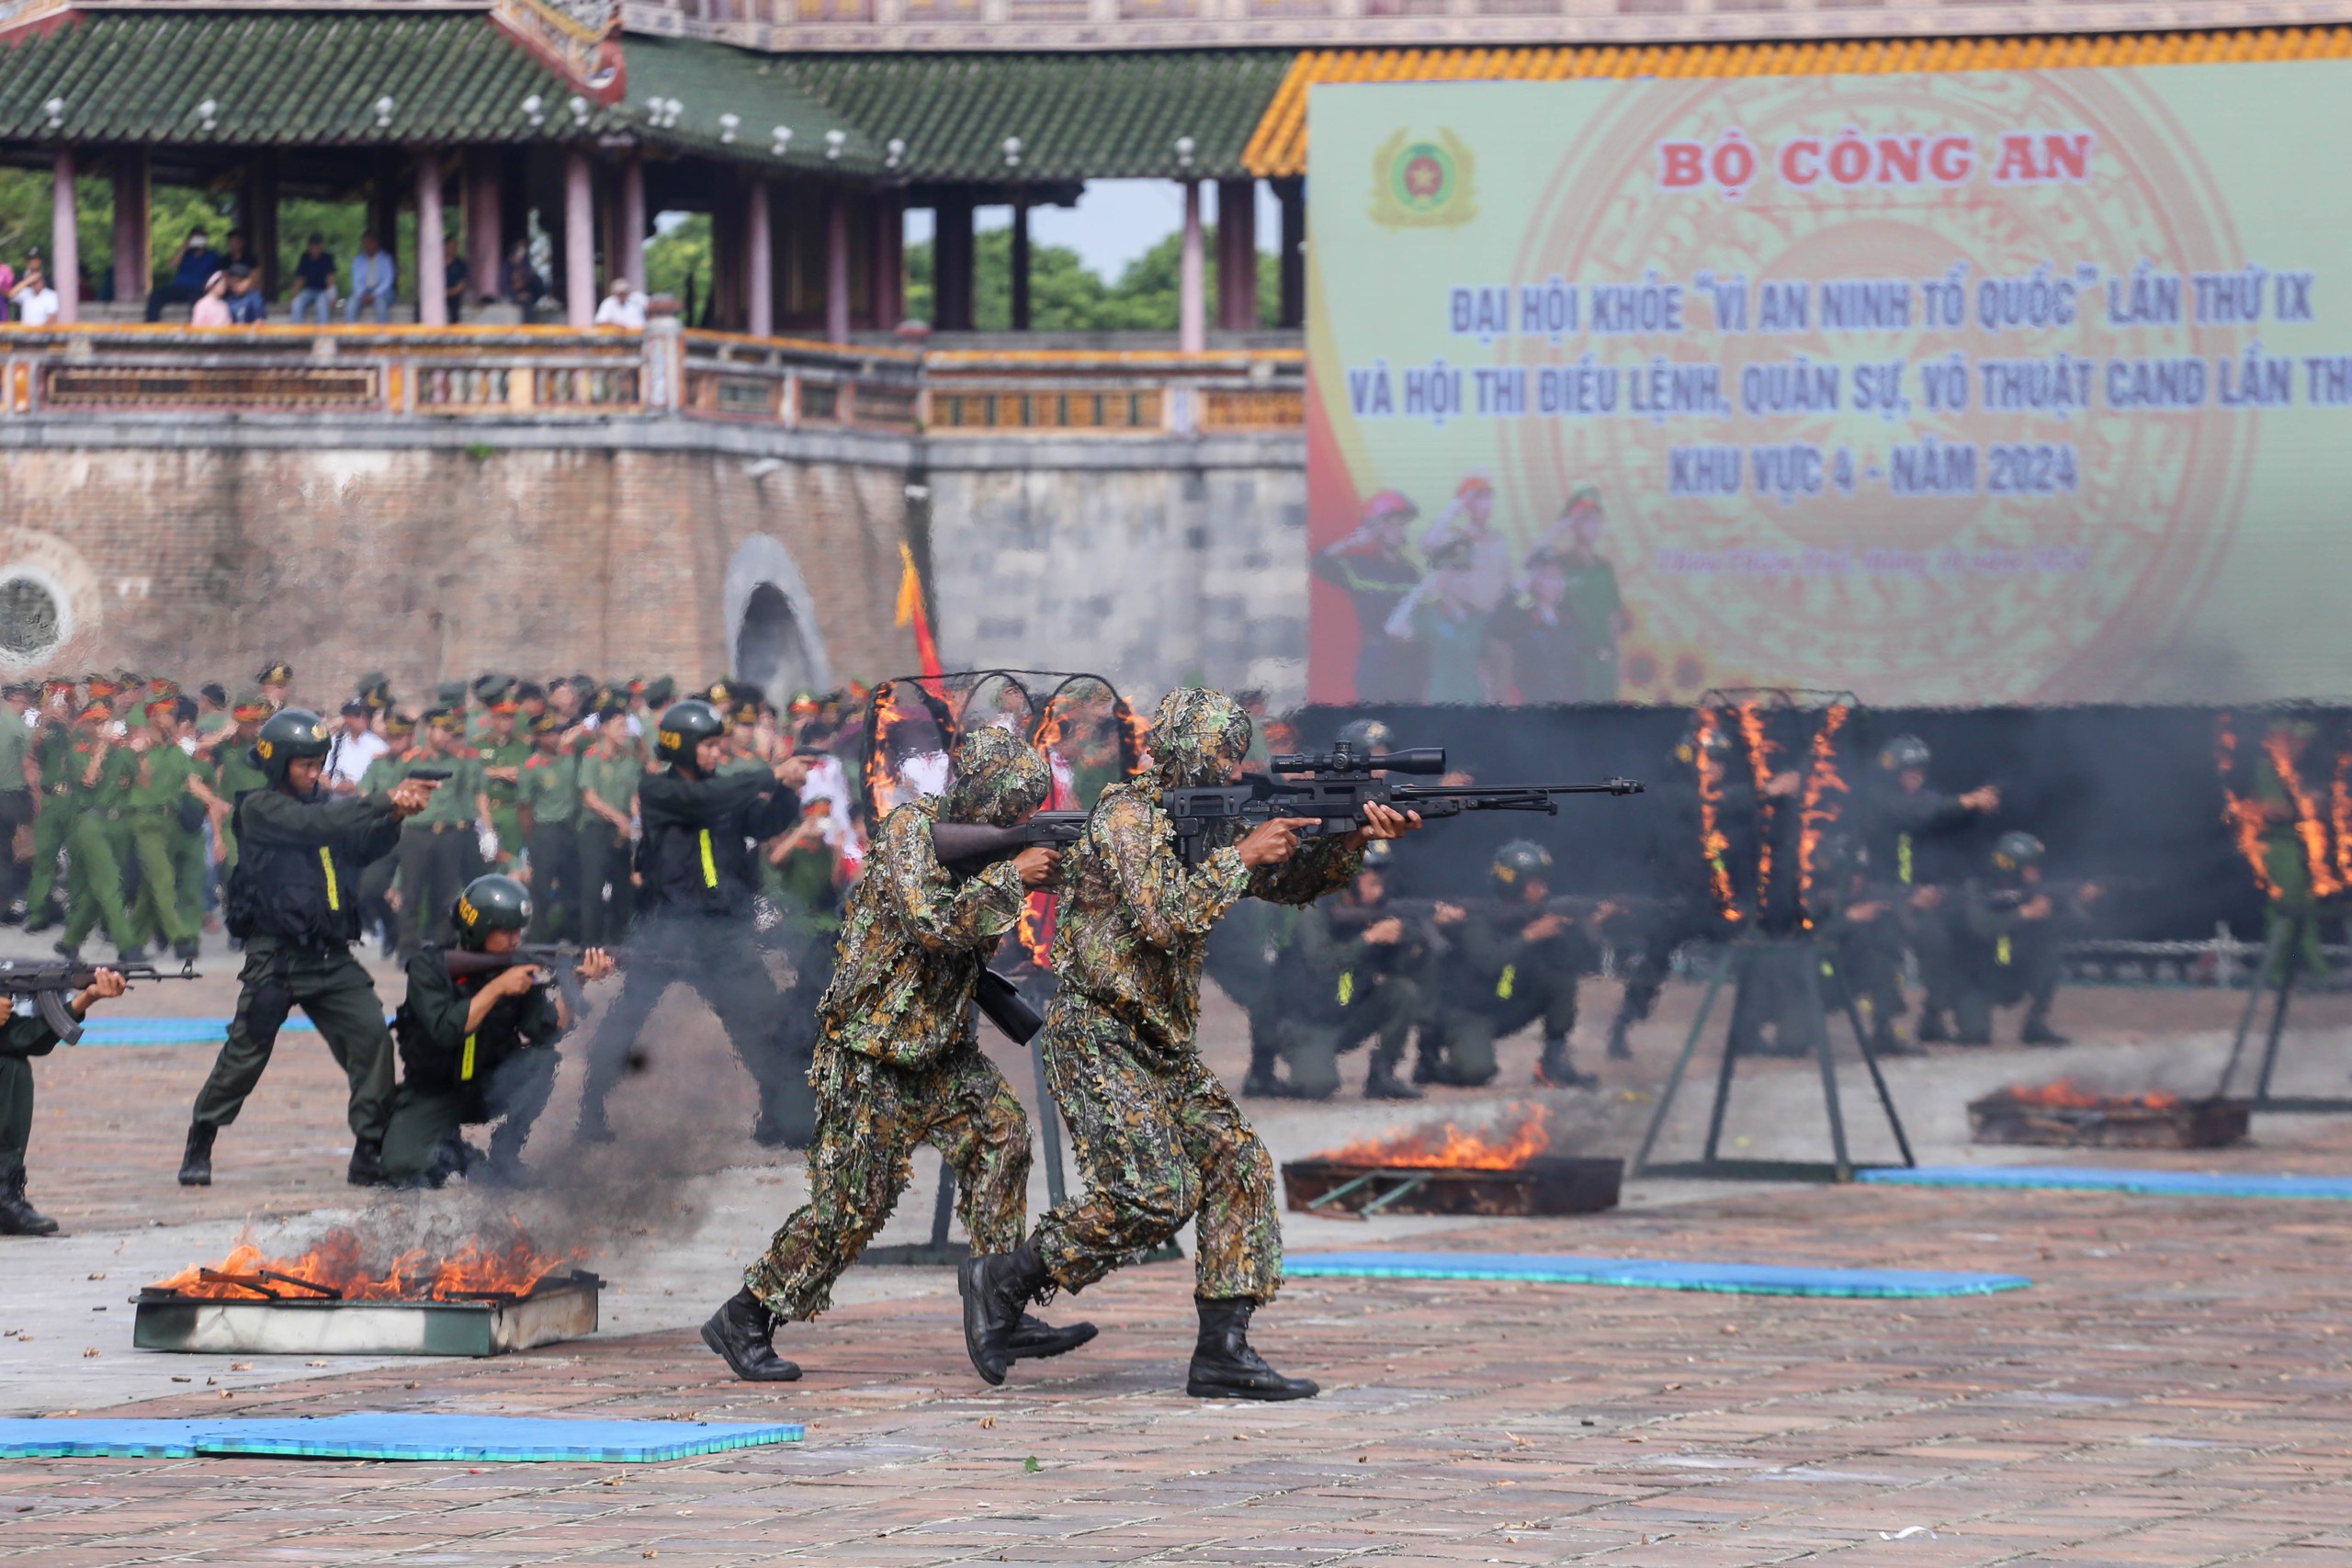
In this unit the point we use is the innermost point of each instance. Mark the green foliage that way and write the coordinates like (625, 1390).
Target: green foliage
(1065, 295)
(674, 257)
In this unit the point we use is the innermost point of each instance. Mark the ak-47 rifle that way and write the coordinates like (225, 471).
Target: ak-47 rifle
(1341, 782)
(49, 984)
(1004, 1005)
(968, 846)
(559, 959)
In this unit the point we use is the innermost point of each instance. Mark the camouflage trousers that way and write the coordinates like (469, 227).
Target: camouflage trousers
(870, 1116)
(1159, 1144)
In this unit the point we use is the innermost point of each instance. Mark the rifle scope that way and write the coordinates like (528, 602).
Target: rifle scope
(1429, 760)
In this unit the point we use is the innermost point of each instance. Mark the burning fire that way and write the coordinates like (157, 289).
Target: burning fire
(1760, 750)
(2243, 816)
(339, 1267)
(2065, 1095)
(1712, 844)
(1137, 757)
(2309, 827)
(881, 785)
(1515, 1139)
(1819, 812)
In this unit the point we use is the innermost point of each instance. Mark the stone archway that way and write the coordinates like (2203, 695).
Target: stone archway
(773, 640)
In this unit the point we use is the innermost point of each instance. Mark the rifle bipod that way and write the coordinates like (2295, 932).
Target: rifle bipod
(1780, 981)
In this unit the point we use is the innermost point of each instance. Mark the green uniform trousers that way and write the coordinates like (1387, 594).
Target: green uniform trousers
(870, 1116)
(100, 847)
(1159, 1143)
(158, 845)
(433, 865)
(49, 830)
(328, 984)
(1382, 1007)
(603, 869)
(555, 883)
(426, 1137)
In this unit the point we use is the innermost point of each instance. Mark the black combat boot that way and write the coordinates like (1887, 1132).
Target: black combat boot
(367, 1169)
(1556, 1071)
(69, 951)
(2037, 1032)
(134, 953)
(1381, 1082)
(1261, 1083)
(743, 1333)
(996, 1288)
(18, 1217)
(188, 950)
(1620, 1048)
(196, 1164)
(1036, 1338)
(1933, 1031)
(1225, 1366)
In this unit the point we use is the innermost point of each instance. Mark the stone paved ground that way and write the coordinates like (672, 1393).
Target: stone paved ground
(2172, 1389)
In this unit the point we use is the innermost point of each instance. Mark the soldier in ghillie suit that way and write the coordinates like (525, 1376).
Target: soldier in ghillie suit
(1158, 1139)
(898, 1064)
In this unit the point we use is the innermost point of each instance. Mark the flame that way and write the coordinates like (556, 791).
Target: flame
(2309, 827)
(880, 783)
(1760, 750)
(1819, 812)
(2243, 816)
(1516, 1137)
(339, 1262)
(2340, 811)
(2065, 1095)
(1135, 729)
(1712, 844)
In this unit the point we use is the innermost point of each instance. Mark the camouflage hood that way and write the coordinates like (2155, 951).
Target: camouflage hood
(1197, 737)
(999, 779)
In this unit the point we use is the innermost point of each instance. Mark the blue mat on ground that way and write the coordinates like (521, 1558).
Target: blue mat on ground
(509, 1439)
(169, 1031)
(1651, 1273)
(2098, 1178)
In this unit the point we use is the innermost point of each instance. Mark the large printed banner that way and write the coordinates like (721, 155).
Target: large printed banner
(1989, 388)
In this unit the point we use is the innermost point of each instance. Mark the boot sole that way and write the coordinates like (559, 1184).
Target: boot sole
(1266, 1395)
(1065, 1340)
(718, 1349)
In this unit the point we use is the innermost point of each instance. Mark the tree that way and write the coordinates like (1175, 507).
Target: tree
(1065, 295)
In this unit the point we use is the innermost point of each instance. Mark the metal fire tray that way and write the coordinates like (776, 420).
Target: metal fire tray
(561, 1308)
(2116, 1124)
(1549, 1184)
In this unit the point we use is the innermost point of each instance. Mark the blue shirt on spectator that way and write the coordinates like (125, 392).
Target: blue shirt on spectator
(196, 267)
(316, 271)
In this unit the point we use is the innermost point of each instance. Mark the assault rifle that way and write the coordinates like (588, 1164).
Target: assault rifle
(969, 847)
(1004, 1005)
(49, 984)
(559, 959)
(1341, 782)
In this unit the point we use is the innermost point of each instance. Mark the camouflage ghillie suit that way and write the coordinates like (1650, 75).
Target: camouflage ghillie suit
(1156, 1135)
(896, 1061)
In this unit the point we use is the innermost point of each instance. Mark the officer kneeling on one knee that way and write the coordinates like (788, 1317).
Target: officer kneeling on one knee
(294, 901)
(23, 1037)
(1511, 962)
(1357, 972)
(477, 1046)
(2006, 932)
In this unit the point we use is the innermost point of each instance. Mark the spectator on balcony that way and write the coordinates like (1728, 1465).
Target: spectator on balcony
(35, 301)
(454, 277)
(247, 305)
(236, 251)
(314, 282)
(520, 281)
(194, 270)
(212, 308)
(624, 307)
(371, 280)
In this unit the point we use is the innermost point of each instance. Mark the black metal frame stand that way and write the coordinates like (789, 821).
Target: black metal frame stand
(1743, 967)
(2284, 950)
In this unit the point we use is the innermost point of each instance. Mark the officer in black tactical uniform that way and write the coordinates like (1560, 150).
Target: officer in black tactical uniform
(24, 1036)
(2006, 933)
(1510, 962)
(294, 901)
(1681, 905)
(476, 1048)
(1901, 818)
(693, 920)
(1357, 971)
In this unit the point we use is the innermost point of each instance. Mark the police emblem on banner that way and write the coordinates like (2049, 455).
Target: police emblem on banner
(1418, 183)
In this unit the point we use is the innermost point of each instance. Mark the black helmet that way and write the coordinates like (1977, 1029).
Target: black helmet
(1366, 736)
(289, 733)
(1519, 860)
(2014, 850)
(1903, 754)
(489, 904)
(685, 726)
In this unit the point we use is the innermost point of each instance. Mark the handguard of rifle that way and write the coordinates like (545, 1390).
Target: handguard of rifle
(1003, 1006)
(58, 1016)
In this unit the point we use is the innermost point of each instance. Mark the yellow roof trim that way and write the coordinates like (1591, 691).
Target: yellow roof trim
(1277, 148)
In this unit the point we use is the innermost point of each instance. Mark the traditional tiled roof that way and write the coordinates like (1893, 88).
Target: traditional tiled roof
(1278, 146)
(1112, 116)
(708, 82)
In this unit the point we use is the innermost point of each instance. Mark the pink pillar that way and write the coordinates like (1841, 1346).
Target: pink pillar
(836, 265)
(65, 241)
(579, 240)
(432, 258)
(631, 263)
(1192, 331)
(759, 263)
(484, 244)
(132, 193)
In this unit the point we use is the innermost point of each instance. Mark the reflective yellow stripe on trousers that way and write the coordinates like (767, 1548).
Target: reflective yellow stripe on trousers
(709, 866)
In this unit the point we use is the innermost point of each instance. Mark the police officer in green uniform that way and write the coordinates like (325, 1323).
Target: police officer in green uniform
(293, 900)
(377, 900)
(1509, 963)
(23, 1037)
(434, 844)
(98, 844)
(609, 771)
(17, 800)
(2007, 931)
(157, 831)
(549, 798)
(1355, 974)
(500, 753)
(234, 772)
(476, 1048)
(53, 761)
